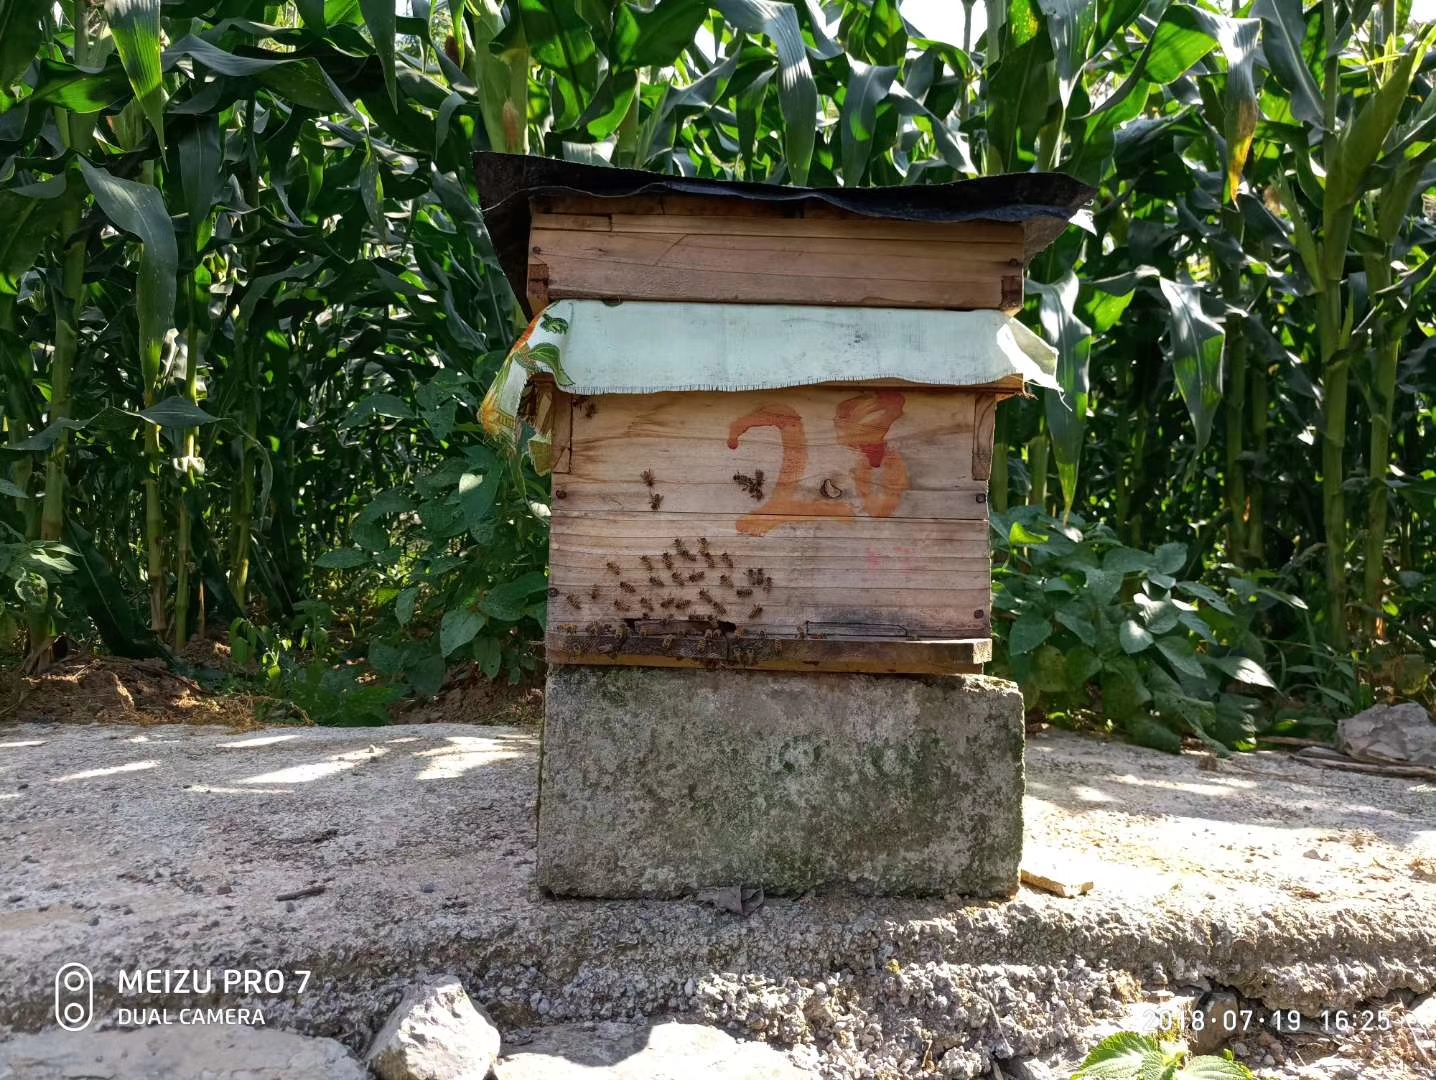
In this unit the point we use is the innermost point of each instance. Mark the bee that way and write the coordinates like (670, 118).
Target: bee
(573, 602)
(613, 567)
(725, 581)
(666, 603)
(668, 642)
(568, 628)
(553, 590)
(710, 634)
(593, 592)
(677, 578)
(646, 561)
(696, 575)
(768, 584)
(683, 605)
(743, 592)
(667, 560)
(757, 610)
(560, 493)
(683, 552)
(647, 477)
(704, 594)
(727, 561)
(710, 560)
(719, 608)
(655, 501)
(645, 603)
(753, 485)
(626, 587)
(589, 408)
(755, 575)
(656, 581)
(622, 605)
(703, 544)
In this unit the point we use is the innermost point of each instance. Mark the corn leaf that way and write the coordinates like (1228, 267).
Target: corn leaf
(1195, 343)
(135, 25)
(1070, 25)
(1361, 141)
(797, 92)
(865, 89)
(379, 18)
(1283, 34)
(20, 36)
(1067, 411)
(139, 210)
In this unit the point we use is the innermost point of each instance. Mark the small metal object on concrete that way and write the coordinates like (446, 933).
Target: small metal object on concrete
(662, 783)
(1055, 872)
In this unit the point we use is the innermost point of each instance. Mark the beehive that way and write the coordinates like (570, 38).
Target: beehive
(771, 426)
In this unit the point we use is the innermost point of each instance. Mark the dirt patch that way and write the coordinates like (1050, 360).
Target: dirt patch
(109, 689)
(88, 689)
(468, 697)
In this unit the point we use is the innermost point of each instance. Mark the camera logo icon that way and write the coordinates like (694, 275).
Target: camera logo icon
(74, 997)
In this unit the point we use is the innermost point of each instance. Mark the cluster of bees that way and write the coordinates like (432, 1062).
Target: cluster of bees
(693, 592)
(753, 485)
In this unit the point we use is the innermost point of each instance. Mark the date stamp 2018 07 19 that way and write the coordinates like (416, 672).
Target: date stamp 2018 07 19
(1235, 1022)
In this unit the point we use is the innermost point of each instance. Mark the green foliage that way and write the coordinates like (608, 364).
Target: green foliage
(247, 305)
(30, 570)
(1099, 627)
(1129, 1056)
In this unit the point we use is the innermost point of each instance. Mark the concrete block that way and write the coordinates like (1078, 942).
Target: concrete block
(660, 782)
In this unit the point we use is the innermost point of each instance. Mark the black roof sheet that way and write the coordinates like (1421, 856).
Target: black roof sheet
(1042, 203)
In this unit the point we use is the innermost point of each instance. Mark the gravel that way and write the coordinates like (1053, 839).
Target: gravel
(180, 839)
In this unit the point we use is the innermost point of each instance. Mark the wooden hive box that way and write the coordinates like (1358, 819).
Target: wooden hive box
(769, 416)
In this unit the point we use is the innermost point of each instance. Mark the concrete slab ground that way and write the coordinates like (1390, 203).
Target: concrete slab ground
(366, 856)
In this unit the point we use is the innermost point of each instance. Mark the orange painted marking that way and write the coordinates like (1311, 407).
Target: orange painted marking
(862, 423)
(786, 504)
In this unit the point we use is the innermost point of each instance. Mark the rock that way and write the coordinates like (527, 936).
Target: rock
(1027, 1069)
(1421, 1020)
(435, 1033)
(1219, 1019)
(667, 1051)
(661, 783)
(1401, 733)
(177, 1053)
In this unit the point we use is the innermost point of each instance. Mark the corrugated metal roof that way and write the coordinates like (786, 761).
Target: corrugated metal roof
(1042, 203)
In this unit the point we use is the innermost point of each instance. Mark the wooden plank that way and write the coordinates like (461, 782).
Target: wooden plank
(563, 433)
(618, 281)
(939, 657)
(693, 214)
(538, 293)
(841, 452)
(996, 235)
(984, 429)
(878, 577)
(929, 537)
(804, 257)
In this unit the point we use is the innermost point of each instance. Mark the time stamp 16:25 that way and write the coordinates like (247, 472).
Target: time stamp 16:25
(1241, 1021)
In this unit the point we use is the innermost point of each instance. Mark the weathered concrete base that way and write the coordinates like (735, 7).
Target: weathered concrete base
(659, 783)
